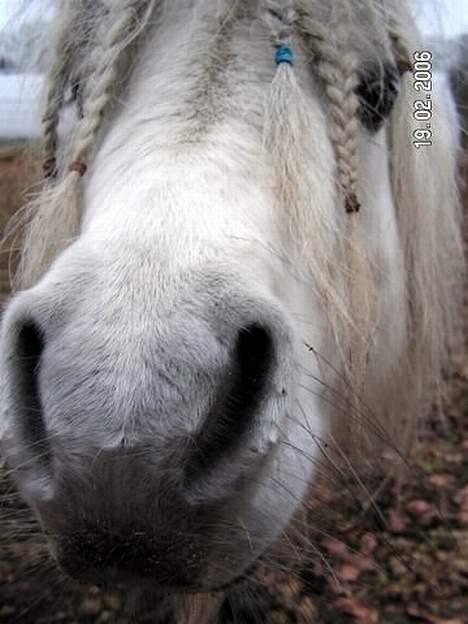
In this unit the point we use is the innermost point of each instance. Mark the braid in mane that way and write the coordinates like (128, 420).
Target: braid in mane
(336, 259)
(70, 42)
(123, 24)
(285, 115)
(336, 66)
(49, 226)
(400, 48)
(288, 119)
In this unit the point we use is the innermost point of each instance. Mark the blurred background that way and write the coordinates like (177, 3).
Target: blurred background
(415, 569)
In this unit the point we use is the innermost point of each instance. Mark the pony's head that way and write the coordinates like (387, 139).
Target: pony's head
(237, 245)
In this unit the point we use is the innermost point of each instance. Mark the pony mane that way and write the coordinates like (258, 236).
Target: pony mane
(97, 41)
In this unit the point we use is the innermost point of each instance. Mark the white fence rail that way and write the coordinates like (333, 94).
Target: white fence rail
(20, 106)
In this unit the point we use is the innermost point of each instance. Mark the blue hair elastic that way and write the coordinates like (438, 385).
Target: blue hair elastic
(284, 55)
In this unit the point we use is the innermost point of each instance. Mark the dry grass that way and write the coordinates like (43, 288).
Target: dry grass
(19, 172)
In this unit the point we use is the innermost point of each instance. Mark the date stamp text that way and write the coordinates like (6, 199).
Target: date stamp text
(423, 106)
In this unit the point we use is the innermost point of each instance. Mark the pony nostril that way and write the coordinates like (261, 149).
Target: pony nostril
(253, 361)
(29, 423)
(237, 404)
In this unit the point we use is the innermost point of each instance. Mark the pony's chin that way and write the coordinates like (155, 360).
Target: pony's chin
(209, 578)
(122, 580)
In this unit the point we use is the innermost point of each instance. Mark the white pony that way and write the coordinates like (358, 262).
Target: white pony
(240, 255)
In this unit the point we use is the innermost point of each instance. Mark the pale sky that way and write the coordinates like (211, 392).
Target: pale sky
(442, 17)
(11, 10)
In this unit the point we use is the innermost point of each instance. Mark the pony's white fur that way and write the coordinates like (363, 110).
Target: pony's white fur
(247, 187)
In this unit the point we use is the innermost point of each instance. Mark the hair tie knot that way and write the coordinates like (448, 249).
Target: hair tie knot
(78, 166)
(284, 54)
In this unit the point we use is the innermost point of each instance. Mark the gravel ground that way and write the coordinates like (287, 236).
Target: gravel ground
(406, 562)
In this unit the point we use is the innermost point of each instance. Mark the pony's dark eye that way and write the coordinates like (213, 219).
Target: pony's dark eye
(377, 91)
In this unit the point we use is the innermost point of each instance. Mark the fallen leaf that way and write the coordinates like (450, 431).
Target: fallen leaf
(348, 573)
(336, 547)
(441, 481)
(397, 521)
(361, 613)
(368, 544)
